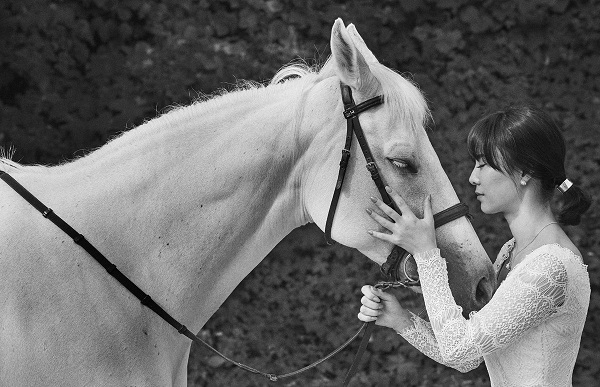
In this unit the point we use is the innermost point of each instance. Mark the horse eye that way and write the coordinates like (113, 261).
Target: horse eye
(400, 164)
(404, 166)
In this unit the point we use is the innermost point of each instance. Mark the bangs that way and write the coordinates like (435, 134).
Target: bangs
(489, 142)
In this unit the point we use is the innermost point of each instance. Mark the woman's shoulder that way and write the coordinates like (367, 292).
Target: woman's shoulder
(559, 250)
(559, 266)
(556, 257)
(559, 244)
(555, 245)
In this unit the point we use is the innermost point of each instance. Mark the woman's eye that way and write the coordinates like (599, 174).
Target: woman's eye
(480, 162)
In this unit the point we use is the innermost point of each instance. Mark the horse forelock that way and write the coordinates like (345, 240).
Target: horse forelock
(403, 97)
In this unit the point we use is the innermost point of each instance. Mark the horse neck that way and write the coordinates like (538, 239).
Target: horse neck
(195, 198)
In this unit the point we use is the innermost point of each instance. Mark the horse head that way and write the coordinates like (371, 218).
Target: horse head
(395, 132)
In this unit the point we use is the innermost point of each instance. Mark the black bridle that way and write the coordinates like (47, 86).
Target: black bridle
(394, 269)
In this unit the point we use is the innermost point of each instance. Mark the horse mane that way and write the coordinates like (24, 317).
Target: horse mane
(6, 163)
(405, 100)
(6, 155)
(295, 70)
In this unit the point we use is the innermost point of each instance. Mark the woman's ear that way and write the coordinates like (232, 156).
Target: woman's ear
(525, 177)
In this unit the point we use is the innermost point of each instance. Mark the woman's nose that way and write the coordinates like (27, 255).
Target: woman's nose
(473, 178)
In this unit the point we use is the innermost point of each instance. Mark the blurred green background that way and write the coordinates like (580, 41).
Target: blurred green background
(75, 73)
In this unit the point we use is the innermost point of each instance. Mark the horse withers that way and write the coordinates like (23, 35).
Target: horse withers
(187, 204)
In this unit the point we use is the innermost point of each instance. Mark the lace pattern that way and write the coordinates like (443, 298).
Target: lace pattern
(528, 333)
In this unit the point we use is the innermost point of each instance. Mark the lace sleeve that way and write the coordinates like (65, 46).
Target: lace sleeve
(527, 297)
(421, 336)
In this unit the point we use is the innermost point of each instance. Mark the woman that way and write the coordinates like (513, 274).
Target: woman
(529, 332)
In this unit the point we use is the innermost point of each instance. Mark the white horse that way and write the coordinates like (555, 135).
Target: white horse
(187, 204)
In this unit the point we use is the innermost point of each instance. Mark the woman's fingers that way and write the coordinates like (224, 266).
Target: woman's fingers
(364, 318)
(367, 290)
(402, 206)
(371, 307)
(386, 209)
(383, 236)
(369, 312)
(370, 303)
(380, 219)
(405, 210)
(427, 211)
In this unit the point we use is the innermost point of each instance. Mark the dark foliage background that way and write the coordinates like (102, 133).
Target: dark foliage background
(75, 73)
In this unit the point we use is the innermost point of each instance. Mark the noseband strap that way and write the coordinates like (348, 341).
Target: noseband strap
(451, 213)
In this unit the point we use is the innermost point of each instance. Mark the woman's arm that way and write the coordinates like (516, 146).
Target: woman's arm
(385, 310)
(422, 337)
(524, 300)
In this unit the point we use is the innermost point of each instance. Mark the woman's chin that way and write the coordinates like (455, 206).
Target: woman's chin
(488, 210)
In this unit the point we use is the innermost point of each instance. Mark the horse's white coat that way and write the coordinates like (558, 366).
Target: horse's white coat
(187, 205)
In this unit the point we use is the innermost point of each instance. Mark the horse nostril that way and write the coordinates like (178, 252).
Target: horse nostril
(483, 293)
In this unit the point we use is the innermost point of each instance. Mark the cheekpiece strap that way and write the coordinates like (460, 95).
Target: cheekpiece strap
(351, 112)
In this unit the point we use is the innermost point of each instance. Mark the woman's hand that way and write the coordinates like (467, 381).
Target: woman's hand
(381, 307)
(407, 231)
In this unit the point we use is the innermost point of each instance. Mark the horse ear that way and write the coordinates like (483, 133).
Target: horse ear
(352, 68)
(360, 44)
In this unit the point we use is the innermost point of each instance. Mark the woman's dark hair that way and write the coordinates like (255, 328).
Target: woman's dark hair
(524, 138)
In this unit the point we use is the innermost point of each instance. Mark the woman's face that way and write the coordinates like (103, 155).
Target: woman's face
(495, 190)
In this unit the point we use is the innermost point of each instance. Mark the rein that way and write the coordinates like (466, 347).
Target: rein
(394, 269)
(144, 298)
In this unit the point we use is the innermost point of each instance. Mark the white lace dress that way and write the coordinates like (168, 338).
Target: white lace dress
(529, 332)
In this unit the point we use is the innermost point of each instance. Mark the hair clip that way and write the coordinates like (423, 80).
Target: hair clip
(564, 186)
